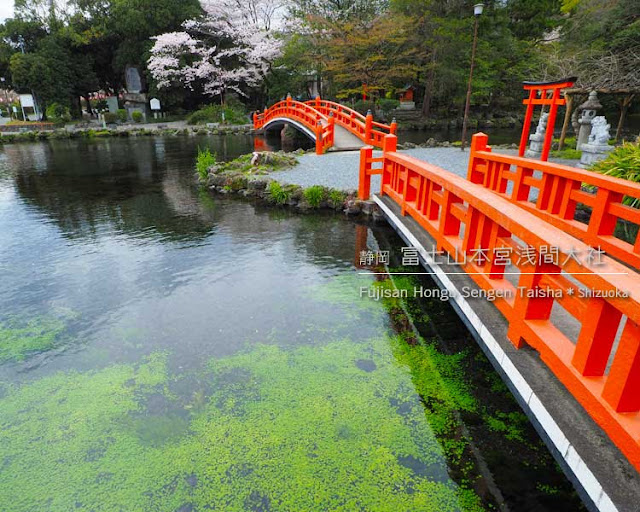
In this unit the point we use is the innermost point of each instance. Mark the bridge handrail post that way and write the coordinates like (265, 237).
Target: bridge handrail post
(621, 388)
(390, 143)
(479, 142)
(319, 149)
(368, 122)
(393, 127)
(332, 128)
(364, 185)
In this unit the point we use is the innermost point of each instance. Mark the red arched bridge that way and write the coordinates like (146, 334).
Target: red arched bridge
(575, 306)
(329, 124)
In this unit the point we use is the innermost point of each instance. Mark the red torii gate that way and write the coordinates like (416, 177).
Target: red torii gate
(543, 93)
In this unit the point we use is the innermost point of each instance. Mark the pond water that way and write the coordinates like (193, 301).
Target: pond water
(165, 350)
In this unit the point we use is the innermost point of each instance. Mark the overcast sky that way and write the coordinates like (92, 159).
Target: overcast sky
(6, 9)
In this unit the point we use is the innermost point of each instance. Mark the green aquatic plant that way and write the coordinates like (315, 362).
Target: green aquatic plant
(337, 197)
(331, 427)
(204, 160)
(315, 195)
(278, 193)
(20, 338)
(512, 425)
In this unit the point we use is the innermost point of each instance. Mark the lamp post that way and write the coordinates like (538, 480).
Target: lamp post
(477, 11)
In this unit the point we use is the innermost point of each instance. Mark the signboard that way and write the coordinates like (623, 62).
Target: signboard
(155, 104)
(26, 100)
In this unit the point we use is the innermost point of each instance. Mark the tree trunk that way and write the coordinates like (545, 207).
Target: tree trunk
(428, 91)
(76, 106)
(567, 119)
(624, 106)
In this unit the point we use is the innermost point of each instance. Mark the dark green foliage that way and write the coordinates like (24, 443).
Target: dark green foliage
(82, 46)
(122, 115)
(623, 162)
(387, 104)
(57, 113)
(234, 114)
(363, 106)
(110, 117)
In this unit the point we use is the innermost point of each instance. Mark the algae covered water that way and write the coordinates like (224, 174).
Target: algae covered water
(165, 350)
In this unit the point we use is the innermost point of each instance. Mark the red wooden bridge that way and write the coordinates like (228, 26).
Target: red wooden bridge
(580, 315)
(330, 124)
(574, 299)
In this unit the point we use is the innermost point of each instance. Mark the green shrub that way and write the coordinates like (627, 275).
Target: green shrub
(623, 162)
(137, 116)
(337, 197)
(315, 195)
(278, 193)
(58, 113)
(387, 105)
(233, 114)
(110, 117)
(122, 115)
(204, 160)
(363, 106)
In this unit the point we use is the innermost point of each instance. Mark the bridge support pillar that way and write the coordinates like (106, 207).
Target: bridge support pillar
(319, 142)
(364, 185)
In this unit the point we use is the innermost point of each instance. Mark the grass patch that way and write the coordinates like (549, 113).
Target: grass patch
(265, 163)
(569, 143)
(567, 154)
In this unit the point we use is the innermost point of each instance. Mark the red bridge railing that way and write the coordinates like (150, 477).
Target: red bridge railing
(320, 116)
(320, 125)
(364, 127)
(466, 219)
(553, 192)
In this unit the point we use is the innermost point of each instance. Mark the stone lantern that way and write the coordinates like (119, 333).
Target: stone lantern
(589, 109)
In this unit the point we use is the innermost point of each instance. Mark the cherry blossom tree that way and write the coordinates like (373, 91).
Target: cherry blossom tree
(230, 48)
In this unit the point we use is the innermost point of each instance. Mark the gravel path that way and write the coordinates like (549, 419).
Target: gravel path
(340, 170)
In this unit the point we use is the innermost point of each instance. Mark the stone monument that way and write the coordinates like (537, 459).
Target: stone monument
(597, 148)
(112, 104)
(588, 109)
(134, 99)
(536, 141)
